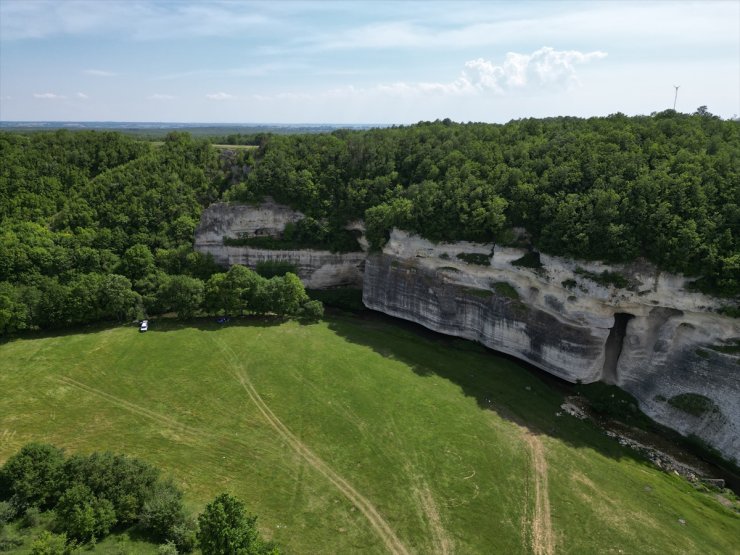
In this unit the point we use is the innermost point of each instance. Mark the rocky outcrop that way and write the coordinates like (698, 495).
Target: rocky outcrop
(317, 269)
(222, 219)
(653, 338)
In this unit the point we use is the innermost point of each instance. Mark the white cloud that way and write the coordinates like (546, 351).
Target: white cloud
(545, 68)
(139, 20)
(477, 26)
(99, 73)
(157, 96)
(82, 96)
(220, 96)
(542, 68)
(48, 96)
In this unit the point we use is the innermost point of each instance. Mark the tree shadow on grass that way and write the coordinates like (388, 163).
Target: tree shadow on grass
(515, 390)
(211, 323)
(156, 324)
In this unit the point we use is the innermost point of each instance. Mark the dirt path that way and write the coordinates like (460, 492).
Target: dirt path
(131, 407)
(387, 535)
(443, 544)
(540, 525)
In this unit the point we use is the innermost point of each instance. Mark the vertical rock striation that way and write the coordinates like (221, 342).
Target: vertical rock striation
(317, 269)
(652, 337)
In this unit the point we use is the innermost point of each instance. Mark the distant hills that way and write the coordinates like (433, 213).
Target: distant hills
(157, 128)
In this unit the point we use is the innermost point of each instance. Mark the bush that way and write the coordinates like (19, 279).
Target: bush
(31, 517)
(568, 283)
(477, 258)
(50, 544)
(529, 260)
(163, 511)
(272, 268)
(168, 548)
(33, 476)
(505, 290)
(84, 516)
(693, 403)
(7, 513)
(311, 311)
(126, 482)
(605, 278)
(183, 535)
(225, 527)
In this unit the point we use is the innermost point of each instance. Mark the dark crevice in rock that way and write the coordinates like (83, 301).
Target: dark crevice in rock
(613, 347)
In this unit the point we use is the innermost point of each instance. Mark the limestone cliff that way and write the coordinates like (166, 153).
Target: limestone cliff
(650, 336)
(317, 269)
(653, 339)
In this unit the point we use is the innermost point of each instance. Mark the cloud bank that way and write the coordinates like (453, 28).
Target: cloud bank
(219, 96)
(545, 68)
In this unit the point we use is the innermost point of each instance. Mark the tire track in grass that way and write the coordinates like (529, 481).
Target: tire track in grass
(198, 435)
(541, 524)
(166, 421)
(443, 544)
(381, 527)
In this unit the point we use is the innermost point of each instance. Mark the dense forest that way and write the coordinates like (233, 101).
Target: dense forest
(664, 187)
(99, 226)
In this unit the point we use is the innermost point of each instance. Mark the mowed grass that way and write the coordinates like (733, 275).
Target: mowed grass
(355, 435)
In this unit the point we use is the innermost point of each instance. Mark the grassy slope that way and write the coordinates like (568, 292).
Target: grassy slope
(423, 431)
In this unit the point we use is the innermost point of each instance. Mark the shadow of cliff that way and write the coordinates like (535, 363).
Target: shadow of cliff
(515, 390)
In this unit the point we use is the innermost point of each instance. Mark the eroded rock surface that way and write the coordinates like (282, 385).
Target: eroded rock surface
(653, 338)
(317, 269)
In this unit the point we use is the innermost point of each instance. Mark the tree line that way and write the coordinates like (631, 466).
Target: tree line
(89, 496)
(663, 187)
(98, 226)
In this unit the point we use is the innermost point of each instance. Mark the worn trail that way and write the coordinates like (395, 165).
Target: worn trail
(379, 524)
(541, 524)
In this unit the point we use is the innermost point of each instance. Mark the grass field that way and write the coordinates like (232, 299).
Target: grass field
(354, 435)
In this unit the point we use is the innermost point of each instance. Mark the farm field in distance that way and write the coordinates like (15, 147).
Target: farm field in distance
(354, 435)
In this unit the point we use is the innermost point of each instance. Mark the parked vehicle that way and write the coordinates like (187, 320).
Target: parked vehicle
(144, 326)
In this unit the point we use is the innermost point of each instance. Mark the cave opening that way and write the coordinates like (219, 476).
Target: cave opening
(613, 347)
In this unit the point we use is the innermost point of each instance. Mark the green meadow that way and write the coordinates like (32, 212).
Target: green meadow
(353, 435)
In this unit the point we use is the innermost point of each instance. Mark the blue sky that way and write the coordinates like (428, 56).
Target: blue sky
(363, 62)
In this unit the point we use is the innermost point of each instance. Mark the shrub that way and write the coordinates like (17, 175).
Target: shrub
(33, 476)
(568, 283)
(84, 516)
(126, 482)
(482, 293)
(7, 513)
(505, 290)
(163, 511)
(225, 527)
(477, 258)
(311, 311)
(168, 548)
(50, 544)
(694, 404)
(529, 260)
(605, 278)
(31, 517)
(272, 268)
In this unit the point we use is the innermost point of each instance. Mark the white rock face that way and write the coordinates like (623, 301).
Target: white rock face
(317, 269)
(221, 220)
(654, 339)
